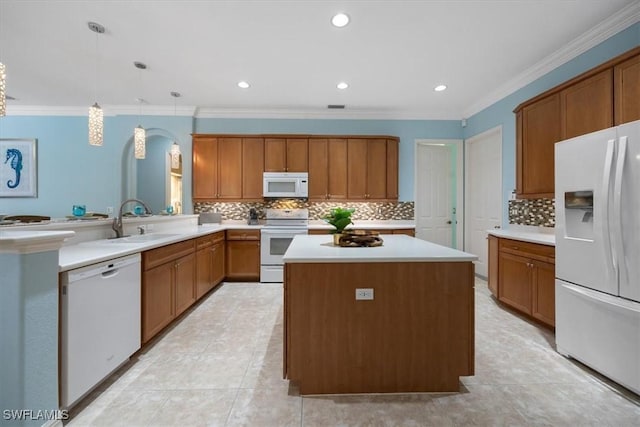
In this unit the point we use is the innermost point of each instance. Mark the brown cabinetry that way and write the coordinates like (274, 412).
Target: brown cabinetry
(217, 168)
(627, 90)
(604, 96)
(210, 262)
(524, 274)
(243, 255)
(327, 169)
(168, 285)
(252, 168)
(286, 154)
(367, 172)
(392, 169)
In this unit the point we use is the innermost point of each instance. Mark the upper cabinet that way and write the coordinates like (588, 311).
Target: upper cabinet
(217, 168)
(327, 169)
(367, 172)
(597, 99)
(252, 168)
(627, 90)
(392, 169)
(286, 155)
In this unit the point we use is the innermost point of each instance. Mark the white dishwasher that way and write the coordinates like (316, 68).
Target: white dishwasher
(100, 323)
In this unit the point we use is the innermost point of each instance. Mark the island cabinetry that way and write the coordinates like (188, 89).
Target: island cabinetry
(627, 90)
(416, 335)
(243, 255)
(525, 276)
(367, 173)
(286, 154)
(210, 262)
(168, 285)
(327, 169)
(217, 168)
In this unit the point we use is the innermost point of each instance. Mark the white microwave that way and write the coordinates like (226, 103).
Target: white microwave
(285, 185)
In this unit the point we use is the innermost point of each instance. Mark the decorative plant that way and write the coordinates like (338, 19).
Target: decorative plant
(339, 218)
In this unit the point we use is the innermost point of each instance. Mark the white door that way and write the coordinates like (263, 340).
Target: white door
(438, 186)
(483, 192)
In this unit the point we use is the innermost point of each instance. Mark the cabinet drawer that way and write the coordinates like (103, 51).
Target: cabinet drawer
(204, 242)
(533, 250)
(155, 257)
(243, 234)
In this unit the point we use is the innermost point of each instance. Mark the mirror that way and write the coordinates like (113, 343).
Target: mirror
(156, 179)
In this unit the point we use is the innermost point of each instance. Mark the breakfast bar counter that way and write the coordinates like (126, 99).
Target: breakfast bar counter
(393, 318)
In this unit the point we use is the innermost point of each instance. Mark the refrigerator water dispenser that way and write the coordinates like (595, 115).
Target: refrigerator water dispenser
(578, 207)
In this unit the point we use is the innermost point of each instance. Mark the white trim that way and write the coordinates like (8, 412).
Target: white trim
(108, 110)
(346, 114)
(459, 144)
(601, 32)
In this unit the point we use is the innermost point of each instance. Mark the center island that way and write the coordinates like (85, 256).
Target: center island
(388, 319)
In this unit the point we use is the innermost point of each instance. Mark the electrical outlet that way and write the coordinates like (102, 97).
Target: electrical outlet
(364, 293)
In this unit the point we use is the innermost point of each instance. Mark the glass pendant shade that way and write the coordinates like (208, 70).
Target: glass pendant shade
(139, 136)
(96, 123)
(175, 155)
(3, 95)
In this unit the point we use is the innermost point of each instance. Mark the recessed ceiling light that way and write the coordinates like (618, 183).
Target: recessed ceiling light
(243, 85)
(343, 85)
(340, 20)
(440, 88)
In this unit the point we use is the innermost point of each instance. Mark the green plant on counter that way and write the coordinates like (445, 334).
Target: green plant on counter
(339, 218)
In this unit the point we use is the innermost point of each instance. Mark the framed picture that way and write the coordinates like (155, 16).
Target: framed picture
(18, 168)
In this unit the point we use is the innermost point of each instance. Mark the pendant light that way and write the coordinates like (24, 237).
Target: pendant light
(175, 148)
(3, 95)
(139, 134)
(96, 117)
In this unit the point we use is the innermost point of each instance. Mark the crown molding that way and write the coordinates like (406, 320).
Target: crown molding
(601, 32)
(108, 110)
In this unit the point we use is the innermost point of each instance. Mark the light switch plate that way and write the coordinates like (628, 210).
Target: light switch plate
(364, 294)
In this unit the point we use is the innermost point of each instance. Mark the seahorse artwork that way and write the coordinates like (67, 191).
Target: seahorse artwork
(15, 156)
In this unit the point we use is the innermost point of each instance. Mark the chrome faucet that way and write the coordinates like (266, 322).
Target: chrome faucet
(117, 221)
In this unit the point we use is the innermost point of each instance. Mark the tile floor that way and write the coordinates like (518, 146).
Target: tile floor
(221, 365)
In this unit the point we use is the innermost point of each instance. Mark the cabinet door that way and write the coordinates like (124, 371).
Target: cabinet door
(318, 168)
(243, 260)
(275, 155)
(230, 168)
(514, 286)
(217, 263)
(587, 106)
(627, 90)
(376, 169)
(297, 154)
(185, 280)
(337, 169)
(540, 130)
(357, 170)
(252, 167)
(157, 300)
(392, 169)
(492, 280)
(203, 271)
(205, 168)
(544, 296)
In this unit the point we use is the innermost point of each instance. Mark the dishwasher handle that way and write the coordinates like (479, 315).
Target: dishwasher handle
(105, 269)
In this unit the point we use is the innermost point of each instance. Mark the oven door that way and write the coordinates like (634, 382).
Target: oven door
(274, 243)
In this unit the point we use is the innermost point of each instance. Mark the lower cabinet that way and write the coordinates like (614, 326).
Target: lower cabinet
(522, 275)
(209, 262)
(243, 255)
(168, 285)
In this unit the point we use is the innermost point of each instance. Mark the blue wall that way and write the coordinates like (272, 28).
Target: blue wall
(501, 113)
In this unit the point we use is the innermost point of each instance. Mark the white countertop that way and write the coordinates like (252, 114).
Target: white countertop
(27, 241)
(318, 224)
(526, 236)
(395, 248)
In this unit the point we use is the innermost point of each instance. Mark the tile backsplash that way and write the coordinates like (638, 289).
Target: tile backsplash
(363, 211)
(538, 212)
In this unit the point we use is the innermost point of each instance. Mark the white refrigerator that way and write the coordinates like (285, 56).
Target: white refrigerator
(597, 197)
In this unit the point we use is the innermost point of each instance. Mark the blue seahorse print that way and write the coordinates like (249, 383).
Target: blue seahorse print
(15, 156)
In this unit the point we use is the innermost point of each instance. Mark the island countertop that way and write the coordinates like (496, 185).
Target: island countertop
(396, 248)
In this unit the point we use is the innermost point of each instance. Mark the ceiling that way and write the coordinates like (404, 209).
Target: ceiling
(392, 54)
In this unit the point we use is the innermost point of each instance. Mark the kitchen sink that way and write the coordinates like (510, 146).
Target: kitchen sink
(142, 238)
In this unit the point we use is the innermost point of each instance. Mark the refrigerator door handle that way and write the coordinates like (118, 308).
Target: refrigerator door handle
(606, 236)
(617, 205)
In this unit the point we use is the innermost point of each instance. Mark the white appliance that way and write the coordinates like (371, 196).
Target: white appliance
(285, 184)
(281, 226)
(100, 323)
(597, 191)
